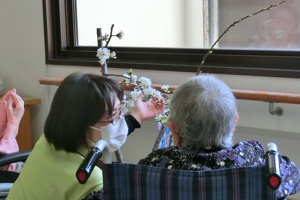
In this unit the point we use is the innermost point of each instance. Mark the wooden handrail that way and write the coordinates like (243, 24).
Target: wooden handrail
(239, 94)
(51, 81)
(57, 81)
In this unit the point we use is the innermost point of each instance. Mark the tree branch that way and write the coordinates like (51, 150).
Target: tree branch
(110, 35)
(233, 24)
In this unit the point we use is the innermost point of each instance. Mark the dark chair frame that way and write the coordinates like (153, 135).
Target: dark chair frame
(7, 178)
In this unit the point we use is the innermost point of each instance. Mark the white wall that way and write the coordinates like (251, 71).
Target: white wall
(22, 63)
(22, 57)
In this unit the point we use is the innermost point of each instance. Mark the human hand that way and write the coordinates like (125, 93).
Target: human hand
(3, 105)
(14, 111)
(148, 109)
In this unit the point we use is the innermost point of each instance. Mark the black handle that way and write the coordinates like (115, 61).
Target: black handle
(273, 168)
(86, 167)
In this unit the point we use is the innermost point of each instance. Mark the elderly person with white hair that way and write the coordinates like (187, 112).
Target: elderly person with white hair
(202, 118)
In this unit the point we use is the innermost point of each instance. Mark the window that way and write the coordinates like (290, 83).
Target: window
(172, 24)
(233, 55)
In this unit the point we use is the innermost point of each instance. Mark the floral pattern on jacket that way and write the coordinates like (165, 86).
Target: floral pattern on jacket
(244, 153)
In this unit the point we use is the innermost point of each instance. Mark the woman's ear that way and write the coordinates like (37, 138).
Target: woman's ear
(235, 121)
(174, 129)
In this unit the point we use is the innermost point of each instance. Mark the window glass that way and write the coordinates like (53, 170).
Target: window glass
(191, 24)
(273, 29)
(147, 23)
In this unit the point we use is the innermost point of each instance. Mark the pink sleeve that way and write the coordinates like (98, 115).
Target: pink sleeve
(8, 144)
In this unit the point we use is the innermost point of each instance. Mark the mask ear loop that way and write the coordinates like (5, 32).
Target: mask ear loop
(93, 143)
(98, 129)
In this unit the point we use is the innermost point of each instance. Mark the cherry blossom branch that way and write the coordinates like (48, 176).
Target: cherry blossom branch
(227, 29)
(116, 75)
(110, 35)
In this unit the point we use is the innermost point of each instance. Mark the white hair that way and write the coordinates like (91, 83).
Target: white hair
(204, 110)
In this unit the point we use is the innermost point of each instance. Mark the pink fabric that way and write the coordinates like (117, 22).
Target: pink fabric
(8, 144)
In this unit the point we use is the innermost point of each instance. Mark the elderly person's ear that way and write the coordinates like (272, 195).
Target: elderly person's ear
(174, 129)
(235, 121)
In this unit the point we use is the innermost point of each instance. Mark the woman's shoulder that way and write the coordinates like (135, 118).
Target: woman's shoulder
(249, 145)
(248, 153)
(156, 155)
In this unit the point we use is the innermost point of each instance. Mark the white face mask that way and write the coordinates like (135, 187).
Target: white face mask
(115, 135)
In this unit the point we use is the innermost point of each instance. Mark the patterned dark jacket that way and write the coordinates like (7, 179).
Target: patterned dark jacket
(245, 153)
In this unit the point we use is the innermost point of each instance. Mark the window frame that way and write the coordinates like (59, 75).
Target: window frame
(61, 49)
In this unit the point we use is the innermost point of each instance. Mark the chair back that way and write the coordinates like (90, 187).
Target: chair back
(7, 178)
(130, 182)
